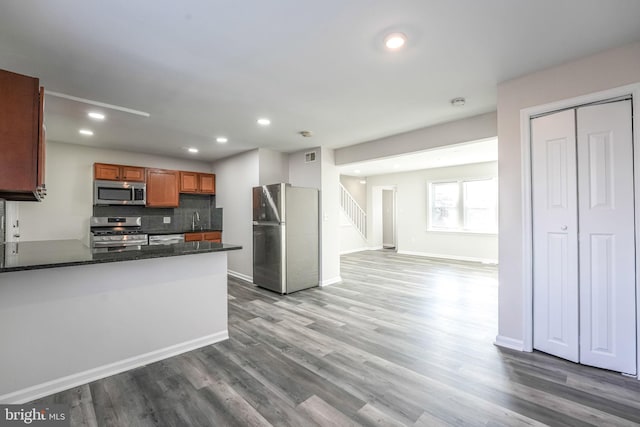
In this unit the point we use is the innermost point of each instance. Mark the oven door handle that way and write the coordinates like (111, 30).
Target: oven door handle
(113, 243)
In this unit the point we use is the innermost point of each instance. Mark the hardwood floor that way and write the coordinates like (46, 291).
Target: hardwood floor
(403, 341)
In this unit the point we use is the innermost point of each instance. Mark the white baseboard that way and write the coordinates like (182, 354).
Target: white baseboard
(240, 276)
(375, 248)
(350, 251)
(506, 342)
(454, 257)
(50, 387)
(331, 281)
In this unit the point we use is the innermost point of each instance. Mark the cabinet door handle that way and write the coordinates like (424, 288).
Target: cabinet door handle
(563, 228)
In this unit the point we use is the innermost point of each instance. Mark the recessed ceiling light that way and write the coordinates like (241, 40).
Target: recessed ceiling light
(86, 132)
(363, 182)
(264, 122)
(395, 41)
(222, 140)
(96, 115)
(357, 171)
(192, 150)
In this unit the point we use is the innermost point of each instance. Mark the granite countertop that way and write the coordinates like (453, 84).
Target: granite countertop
(64, 253)
(158, 231)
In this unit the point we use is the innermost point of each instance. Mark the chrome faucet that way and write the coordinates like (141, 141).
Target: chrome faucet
(195, 218)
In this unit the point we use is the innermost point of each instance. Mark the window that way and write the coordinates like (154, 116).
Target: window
(464, 205)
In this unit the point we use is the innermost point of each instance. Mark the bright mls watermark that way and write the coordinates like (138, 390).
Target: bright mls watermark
(34, 415)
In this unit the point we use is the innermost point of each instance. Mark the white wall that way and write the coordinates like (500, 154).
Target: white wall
(605, 70)
(235, 177)
(65, 211)
(459, 131)
(350, 238)
(273, 166)
(330, 219)
(303, 174)
(413, 236)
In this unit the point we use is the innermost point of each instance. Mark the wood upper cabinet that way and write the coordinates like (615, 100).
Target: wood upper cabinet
(106, 172)
(188, 182)
(207, 183)
(133, 173)
(22, 137)
(198, 183)
(208, 236)
(109, 172)
(162, 188)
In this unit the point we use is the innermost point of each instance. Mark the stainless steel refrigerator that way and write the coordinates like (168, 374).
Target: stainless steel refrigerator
(285, 237)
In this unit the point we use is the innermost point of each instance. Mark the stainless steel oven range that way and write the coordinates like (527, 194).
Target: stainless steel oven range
(110, 234)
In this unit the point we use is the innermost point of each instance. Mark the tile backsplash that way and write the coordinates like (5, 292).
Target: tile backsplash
(181, 217)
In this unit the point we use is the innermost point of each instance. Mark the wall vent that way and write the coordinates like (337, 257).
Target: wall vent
(310, 157)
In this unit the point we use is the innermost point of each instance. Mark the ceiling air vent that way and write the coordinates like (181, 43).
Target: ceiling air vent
(310, 157)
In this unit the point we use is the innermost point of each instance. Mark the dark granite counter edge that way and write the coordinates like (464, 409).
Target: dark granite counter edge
(158, 232)
(121, 256)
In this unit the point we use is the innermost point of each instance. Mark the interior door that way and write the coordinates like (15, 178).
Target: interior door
(555, 234)
(606, 245)
(388, 219)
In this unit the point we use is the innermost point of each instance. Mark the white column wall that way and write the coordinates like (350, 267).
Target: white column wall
(235, 177)
(62, 327)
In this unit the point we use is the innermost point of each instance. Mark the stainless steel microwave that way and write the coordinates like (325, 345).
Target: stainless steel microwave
(119, 193)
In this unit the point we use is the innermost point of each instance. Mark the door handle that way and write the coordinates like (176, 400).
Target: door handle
(563, 228)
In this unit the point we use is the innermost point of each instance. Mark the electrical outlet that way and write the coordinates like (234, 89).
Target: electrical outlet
(167, 220)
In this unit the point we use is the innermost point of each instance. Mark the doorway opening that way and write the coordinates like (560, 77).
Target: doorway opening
(389, 219)
(438, 203)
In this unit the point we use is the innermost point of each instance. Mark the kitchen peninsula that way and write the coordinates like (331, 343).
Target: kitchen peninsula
(69, 316)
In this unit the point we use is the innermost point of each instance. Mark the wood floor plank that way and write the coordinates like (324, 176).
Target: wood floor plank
(322, 413)
(403, 340)
(370, 415)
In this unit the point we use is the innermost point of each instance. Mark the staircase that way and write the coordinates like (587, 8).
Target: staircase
(353, 211)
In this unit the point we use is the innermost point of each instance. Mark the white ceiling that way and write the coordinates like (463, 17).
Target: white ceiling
(205, 68)
(451, 155)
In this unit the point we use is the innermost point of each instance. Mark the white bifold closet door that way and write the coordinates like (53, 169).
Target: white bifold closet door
(583, 236)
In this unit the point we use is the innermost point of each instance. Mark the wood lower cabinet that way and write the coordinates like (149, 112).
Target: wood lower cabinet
(197, 183)
(162, 188)
(213, 236)
(207, 236)
(107, 172)
(193, 237)
(22, 137)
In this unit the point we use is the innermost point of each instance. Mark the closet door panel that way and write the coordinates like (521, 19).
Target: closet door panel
(606, 242)
(555, 227)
